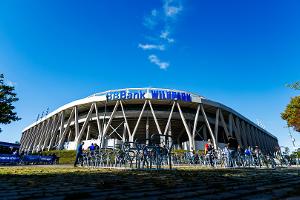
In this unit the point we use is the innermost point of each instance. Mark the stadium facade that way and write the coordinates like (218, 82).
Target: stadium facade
(134, 114)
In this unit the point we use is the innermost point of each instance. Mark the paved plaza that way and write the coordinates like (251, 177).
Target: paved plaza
(66, 182)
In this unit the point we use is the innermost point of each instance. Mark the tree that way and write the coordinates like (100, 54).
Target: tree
(295, 86)
(7, 98)
(292, 113)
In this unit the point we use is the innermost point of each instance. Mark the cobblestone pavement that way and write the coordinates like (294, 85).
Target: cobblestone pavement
(66, 182)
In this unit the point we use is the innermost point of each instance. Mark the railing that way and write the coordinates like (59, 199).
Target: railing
(160, 154)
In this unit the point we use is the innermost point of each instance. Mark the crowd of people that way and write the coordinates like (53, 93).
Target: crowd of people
(232, 155)
(79, 151)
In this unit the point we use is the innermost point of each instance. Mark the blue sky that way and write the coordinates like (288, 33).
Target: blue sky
(240, 53)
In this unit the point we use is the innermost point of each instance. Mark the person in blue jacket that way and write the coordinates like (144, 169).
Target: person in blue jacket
(78, 153)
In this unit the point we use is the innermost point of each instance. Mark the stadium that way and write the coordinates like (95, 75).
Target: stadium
(134, 114)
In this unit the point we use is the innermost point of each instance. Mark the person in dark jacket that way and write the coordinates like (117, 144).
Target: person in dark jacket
(78, 153)
(232, 148)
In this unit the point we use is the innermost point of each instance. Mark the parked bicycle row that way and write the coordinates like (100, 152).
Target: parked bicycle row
(160, 153)
(225, 159)
(129, 154)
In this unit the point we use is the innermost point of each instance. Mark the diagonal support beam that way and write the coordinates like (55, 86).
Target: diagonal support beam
(139, 119)
(54, 133)
(98, 122)
(224, 123)
(155, 119)
(196, 121)
(62, 138)
(78, 138)
(110, 118)
(208, 126)
(217, 125)
(125, 118)
(76, 122)
(187, 129)
(169, 119)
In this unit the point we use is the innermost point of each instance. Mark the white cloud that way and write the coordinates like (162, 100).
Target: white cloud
(152, 20)
(151, 47)
(160, 20)
(165, 35)
(172, 7)
(149, 22)
(154, 59)
(172, 11)
(154, 12)
(10, 83)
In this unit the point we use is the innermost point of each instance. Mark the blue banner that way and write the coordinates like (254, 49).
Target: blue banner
(7, 158)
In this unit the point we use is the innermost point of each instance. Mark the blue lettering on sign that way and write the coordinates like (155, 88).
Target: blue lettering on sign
(136, 95)
(116, 95)
(142, 95)
(129, 96)
(108, 96)
(155, 94)
(169, 95)
(162, 94)
(188, 98)
(122, 94)
(174, 96)
(183, 97)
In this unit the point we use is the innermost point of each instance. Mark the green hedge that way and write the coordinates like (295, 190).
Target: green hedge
(295, 154)
(65, 156)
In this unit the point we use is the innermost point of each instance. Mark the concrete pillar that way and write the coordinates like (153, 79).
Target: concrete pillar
(217, 126)
(230, 124)
(205, 133)
(170, 134)
(88, 132)
(69, 136)
(124, 133)
(147, 131)
(251, 137)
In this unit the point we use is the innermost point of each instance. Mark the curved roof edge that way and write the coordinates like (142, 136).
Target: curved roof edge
(102, 97)
(217, 104)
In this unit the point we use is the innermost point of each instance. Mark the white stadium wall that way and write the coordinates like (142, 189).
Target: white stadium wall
(134, 114)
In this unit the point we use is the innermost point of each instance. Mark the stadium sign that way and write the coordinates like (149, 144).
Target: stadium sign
(149, 94)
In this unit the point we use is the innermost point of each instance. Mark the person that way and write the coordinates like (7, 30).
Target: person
(240, 156)
(195, 157)
(225, 152)
(92, 149)
(78, 153)
(96, 148)
(232, 148)
(206, 147)
(209, 151)
(258, 156)
(55, 159)
(248, 155)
